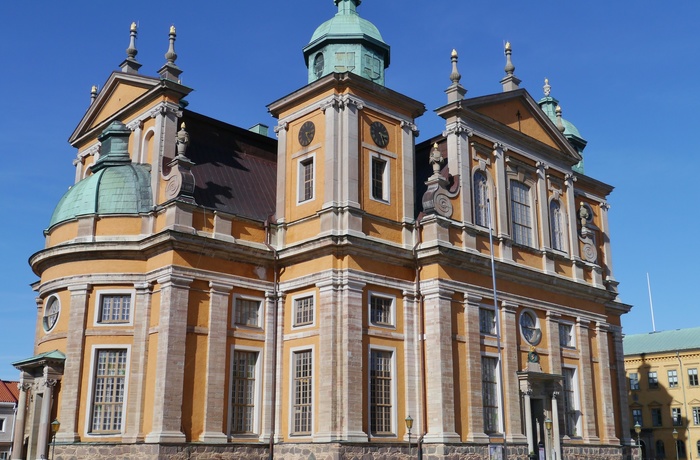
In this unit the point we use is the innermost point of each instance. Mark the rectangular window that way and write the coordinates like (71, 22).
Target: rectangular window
(306, 180)
(676, 416)
(653, 380)
(521, 213)
(379, 182)
(566, 335)
(108, 391)
(247, 312)
(303, 390)
(304, 311)
(693, 377)
(637, 417)
(2, 424)
(487, 321)
(696, 415)
(115, 308)
(634, 381)
(380, 392)
(572, 408)
(656, 417)
(381, 310)
(243, 372)
(489, 389)
(672, 378)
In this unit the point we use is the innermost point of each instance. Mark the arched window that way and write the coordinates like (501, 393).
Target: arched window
(557, 225)
(481, 195)
(660, 449)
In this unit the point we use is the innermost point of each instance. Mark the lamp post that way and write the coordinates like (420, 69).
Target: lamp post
(548, 425)
(675, 441)
(409, 425)
(638, 429)
(55, 425)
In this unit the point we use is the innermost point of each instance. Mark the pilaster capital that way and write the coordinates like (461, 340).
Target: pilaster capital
(457, 128)
(283, 126)
(499, 148)
(135, 124)
(553, 316)
(23, 386)
(569, 180)
(605, 206)
(347, 100)
(602, 327)
(583, 323)
(410, 127)
(50, 383)
(409, 296)
(79, 289)
(436, 290)
(472, 300)
(217, 287)
(508, 307)
(333, 102)
(177, 281)
(143, 287)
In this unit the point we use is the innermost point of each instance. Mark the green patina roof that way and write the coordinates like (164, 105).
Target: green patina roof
(346, 23)
(664, 341)
(55, 354)
(116, 186)
(549, 106)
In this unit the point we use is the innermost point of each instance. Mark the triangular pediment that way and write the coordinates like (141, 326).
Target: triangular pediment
(122, 93)
(518, 111)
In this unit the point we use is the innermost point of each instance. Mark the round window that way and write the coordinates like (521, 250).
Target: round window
(529, 328)
(51, 312)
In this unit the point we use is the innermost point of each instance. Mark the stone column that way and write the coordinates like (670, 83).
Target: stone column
(624, 421)
(18, 438)
(553, 346)
(528, 419)
(328, 368)
(170, 368)
(586, 381)
(475, 420)
(509, 344)
(555, 425)
(279, 367)
(268, 365)
(42, 443)
(70, 383)
(138, 365)
(412, 375)
(351, 358)
(438, 369)
(214, 399)
(604, 383)
(331, 137)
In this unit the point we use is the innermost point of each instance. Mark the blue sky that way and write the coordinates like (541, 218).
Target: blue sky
(623, 71)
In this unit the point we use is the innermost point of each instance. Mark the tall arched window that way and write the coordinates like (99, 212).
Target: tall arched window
(521, 213)
(481, 195)
(557, 225)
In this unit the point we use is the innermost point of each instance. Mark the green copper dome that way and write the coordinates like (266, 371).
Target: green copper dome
(116, 186)
(347, 43)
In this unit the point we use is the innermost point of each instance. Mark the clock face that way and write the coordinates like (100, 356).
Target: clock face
(306, 133)
(379, 134)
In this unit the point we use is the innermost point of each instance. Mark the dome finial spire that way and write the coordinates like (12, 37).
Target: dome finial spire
(347, 6)
(170, 71)
(560, 124)
(130, 64)
(510, 82)
(547, 89)
(455, 92)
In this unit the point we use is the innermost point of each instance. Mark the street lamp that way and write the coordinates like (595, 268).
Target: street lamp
(409, 425)
(675, 441)
(55, 425)
(548, 425)
(638, 429)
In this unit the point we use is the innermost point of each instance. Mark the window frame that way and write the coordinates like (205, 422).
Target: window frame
(497, 394)
(653, 382)
(530, 224)
(493, 331)
(693, 376)
(302, 160)
(633, 382)
(657, 418)
(672, 375)
(576, 395)
(676, 416)
(44, 318)
(479, 214)
(94, 353)
(392, 309)
(660, 449)
(571, 343)
(247, 298)
(696, 415)
(637, 416)
(2, 424)
(98, 322)
(257, 396)
(393, 388)
(386, 177)
(295, 299)
(293, 352)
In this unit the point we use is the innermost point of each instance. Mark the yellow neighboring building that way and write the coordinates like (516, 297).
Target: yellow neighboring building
(664, 392)
(207, 291)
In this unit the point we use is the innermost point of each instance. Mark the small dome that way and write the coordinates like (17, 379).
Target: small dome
(346, 26)
(116, 186)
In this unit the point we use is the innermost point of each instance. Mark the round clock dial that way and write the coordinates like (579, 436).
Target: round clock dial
(379, 134)
(306, 133)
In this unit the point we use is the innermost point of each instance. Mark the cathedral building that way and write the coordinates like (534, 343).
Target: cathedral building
(337, 291)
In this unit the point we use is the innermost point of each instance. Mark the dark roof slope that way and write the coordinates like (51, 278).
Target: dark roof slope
(235, 169)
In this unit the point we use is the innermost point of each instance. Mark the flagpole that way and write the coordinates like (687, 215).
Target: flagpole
(651, 304)
(498, 331)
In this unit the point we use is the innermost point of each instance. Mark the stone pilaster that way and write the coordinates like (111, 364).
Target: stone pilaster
(328, 368)
(412, 376)
(349, 152)
(475, 419)
(278, 369)
(70, 383)
(331, 166)
(170, 368)
(543, 209)
(214, 425)
(608, 277)
(573, 227)
(604, 383)
(439, 372)
(509, 344)
(553, 346)
(269, 376)
(586, 381)
(623, 414)
(556, 436)
(18, 435)
(281, 130)
(501, 180)
(138, 365)
(528, 419)
(42, 443)
(409, 132)
(350, 358)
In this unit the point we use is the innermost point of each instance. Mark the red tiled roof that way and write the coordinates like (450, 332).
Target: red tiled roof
(8, 391)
